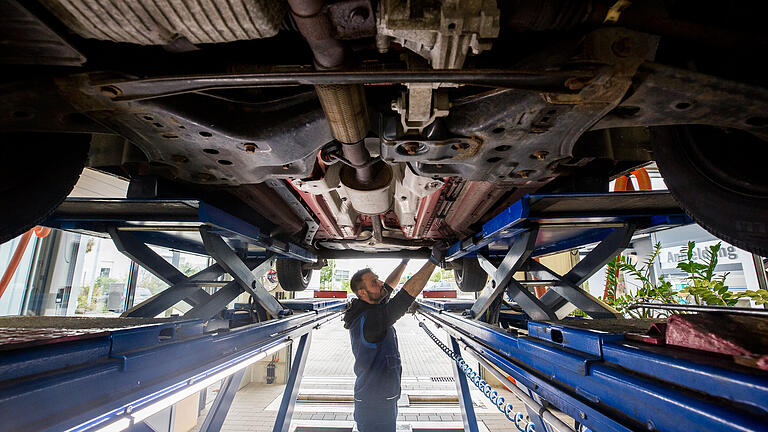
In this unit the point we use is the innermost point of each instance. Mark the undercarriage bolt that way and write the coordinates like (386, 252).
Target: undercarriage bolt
(203, 177)
(250, 147)
(110, 91)
(622, 47)
(574, 84)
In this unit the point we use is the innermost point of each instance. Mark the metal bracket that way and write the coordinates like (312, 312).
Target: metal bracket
(228, 259)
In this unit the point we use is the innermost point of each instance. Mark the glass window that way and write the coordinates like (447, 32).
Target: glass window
(13, 297)
(147, 284)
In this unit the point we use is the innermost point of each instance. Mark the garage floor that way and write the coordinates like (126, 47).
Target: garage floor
(426, 372)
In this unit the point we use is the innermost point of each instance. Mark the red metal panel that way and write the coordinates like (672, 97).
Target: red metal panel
(426, 208)
(320, 209)
(330, 294)
(439, 294)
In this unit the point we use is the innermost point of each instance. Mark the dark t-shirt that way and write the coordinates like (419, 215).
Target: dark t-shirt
(385, 314)
(380, 316)
(374, 345)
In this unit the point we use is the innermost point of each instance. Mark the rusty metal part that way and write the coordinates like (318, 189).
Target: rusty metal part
(359, 158)
(313, 23)
(475, 200)
(376, 228)
(347, 112)
(551, 81)
(352, 19)
(664, 95)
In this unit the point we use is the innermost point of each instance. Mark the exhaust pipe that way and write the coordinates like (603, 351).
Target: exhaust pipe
(367, 184)
(344, 105)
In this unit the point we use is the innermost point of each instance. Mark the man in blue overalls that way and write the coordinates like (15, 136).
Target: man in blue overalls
(374, 342)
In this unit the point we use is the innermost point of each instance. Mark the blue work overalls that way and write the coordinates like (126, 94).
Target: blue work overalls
(377, 387)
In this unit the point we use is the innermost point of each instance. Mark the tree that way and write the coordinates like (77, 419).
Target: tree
(441, 274)
(326, 275)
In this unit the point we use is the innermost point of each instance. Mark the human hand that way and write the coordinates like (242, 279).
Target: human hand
(438, 252)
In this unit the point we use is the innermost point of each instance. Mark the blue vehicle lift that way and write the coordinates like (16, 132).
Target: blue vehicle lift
(80, 374)
(111, 374)
(587, 368)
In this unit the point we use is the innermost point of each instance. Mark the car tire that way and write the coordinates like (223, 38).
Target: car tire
(40, 171)
(470, 277)
(292, 275)
(718, 177)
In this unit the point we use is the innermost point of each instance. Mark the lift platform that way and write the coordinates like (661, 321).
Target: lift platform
(110, 374)
(605, 372)
(88, 374)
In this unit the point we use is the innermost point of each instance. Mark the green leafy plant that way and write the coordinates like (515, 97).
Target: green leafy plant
(705, 288)
(648, 291)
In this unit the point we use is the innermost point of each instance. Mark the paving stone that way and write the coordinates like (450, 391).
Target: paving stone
(329, 368)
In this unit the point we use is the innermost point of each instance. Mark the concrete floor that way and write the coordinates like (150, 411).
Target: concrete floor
(426, 371)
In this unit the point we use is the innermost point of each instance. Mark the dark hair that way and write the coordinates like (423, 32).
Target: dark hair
(356, 283)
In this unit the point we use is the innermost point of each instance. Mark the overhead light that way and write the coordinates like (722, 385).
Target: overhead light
(167, 398)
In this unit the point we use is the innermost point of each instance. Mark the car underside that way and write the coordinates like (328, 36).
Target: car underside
(358, 127)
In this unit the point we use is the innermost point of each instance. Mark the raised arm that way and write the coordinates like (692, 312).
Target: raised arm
(416, 283)
(394, 278)
(380, 318)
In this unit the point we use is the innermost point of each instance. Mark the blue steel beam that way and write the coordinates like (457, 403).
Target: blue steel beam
(154, 221)
(220, 407)
(568, 221)
(228, 259)
(87, 383)
(465, 398)
(291, 392)
(610, 385)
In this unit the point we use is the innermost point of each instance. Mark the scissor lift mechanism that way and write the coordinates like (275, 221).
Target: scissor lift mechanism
(83, 374)
(587, 368)
(110, 374)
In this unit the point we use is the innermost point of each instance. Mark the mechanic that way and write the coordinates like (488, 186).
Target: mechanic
(374, 342)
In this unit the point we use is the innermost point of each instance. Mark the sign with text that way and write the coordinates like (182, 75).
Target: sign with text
(728, 254)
